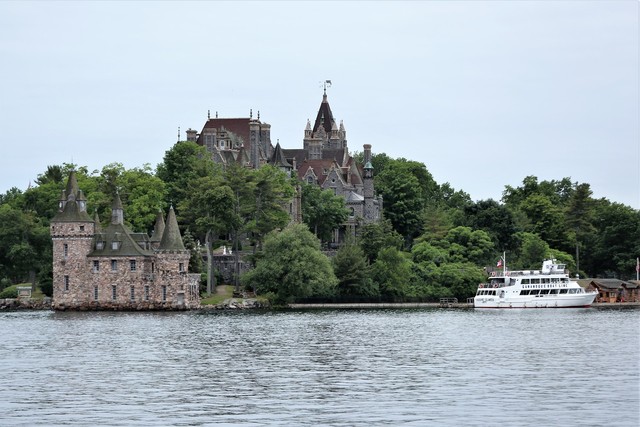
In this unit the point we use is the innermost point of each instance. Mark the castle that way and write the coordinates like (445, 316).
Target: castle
(115, 268)
(324, 160)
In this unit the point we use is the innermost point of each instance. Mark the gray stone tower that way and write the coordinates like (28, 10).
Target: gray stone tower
(370, 214)
(72, 233)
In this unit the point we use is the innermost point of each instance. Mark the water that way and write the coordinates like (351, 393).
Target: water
(573, 367)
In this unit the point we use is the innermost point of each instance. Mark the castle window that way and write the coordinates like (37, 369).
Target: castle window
(96, 266)
(65, 250)
(114, 294)
(310, 179)
(181, 267)
(82, 228)
(133, 293)
(164, 293)
(146, 293)
(153, 267)
(95, 293)
(66, 283)
(132, 264)
(114, 265)
(352, 213)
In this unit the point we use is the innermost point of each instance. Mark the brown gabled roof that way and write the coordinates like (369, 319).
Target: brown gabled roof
(238, 126)
(608, 283)
(299, 154)
(318, 167)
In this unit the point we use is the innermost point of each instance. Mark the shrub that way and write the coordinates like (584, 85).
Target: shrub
(10, 292)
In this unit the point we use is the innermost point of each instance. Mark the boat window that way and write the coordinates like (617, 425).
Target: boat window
(563, 291)
(512, 282)
(546, 280)
(544, 291)
(525, 281)
(572, 291)
(524, 292)
(534, 291)
(553, 291)
(535, 280)
(564, 280)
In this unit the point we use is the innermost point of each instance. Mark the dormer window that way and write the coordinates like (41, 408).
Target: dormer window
(115, 245)
(310, 179)
(99, 245)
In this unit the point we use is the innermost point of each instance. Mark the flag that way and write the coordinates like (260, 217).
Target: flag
(499, 263)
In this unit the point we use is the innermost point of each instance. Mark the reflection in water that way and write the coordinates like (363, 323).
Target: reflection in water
(341, 368)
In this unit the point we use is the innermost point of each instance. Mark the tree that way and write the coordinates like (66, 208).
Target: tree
(273, 192)
(184, 163)
(403, 198)
(392, 272)
(292, 266)
(24, 241)
(322, 211)
(495, 219)
(379, 235)
(352, 270)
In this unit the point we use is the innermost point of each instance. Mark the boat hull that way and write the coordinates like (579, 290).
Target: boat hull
(560, 301)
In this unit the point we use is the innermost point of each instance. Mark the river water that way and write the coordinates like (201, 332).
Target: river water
(441, 367)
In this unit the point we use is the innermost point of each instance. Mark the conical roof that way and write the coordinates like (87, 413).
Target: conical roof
(70, 210)
(171, 238)
(158, 229)
(324, 118)
(278, 158)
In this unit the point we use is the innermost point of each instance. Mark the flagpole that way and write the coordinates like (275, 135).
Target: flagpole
(504, 259)
(637, 269)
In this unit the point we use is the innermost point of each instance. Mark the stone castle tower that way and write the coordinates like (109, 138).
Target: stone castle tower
(114, 268)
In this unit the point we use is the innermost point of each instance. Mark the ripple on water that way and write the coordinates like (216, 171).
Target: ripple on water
(335, 368)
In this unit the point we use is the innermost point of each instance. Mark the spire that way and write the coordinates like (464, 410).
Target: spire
(158, 228)
(171, 239)
(96, 220)
(324, 118)
(278, 159)
(117, 213)
(72, 186)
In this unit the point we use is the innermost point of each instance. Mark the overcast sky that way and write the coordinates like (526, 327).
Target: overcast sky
(483, 93)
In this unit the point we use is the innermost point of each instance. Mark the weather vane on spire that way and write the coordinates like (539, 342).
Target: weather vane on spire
(325, 85)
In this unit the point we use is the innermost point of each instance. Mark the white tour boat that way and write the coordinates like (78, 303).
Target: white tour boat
(550, 287)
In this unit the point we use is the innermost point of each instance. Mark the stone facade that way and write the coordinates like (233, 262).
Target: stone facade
(324, 160)
(115, 269)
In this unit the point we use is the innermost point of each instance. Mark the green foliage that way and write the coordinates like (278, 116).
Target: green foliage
(23, 241)
(273, 192)
(182, 165)
(10, 292)
(322, 211)
(376, 236)
(403, 197)
(292, 266)
(392, 272)
(495, 219)
(352, 271)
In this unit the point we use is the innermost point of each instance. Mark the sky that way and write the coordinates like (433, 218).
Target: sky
(483, 93)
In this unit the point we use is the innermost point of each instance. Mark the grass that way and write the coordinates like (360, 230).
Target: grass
(37, 294)
(222, 293)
